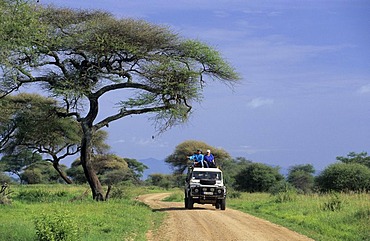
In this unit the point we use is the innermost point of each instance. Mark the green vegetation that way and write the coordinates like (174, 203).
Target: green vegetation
(35, 209)
(80, 56)
(329, 217)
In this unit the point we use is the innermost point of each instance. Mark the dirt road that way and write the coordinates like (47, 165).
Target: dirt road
(205, 223)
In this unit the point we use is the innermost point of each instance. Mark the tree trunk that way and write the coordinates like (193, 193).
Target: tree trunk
(90, 174)
(62, 174)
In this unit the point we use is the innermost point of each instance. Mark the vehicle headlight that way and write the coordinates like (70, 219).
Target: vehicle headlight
(219, 191)
(204, 189)
(196, 190)
(212, 189)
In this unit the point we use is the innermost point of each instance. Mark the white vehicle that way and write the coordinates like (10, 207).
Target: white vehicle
(205, 186)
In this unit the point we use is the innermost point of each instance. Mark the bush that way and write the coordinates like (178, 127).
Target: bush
(4, 178)
(233, 194)
(119, 192)
(257, 177)
(284, 192)
(4, 194)
(39, 195)
(56, 226)
(334, 203)
(344, 177)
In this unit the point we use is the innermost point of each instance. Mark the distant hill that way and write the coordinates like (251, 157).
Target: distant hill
(155, 166)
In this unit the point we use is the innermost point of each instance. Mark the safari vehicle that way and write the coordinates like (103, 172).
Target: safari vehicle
(205, 186)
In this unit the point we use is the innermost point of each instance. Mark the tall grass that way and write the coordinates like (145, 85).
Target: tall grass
(328, 217)
(117, 219)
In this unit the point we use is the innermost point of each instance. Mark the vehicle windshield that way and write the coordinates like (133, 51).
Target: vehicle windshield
(207, 175)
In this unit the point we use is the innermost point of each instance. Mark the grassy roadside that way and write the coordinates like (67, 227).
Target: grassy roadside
(321, 217)
(118, 219)
(330, 217)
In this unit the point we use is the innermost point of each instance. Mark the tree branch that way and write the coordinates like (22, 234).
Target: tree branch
(124, 113)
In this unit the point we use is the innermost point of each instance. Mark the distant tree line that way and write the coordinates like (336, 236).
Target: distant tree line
(350, 173)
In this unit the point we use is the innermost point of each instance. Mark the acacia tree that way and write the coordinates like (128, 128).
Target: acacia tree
(16, 163)
(33, 124)
(79, 56)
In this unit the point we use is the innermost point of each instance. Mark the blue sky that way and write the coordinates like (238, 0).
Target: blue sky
(304, 97)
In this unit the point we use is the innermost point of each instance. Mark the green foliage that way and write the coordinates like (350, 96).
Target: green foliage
(344, 177)
(283, 192)
(231, 193)
(5, 194)
(110, 168)
(76, 172)
(231, 167)
(91, 53)
(353, 157)
(161, 180)
(137, 167)
(175, 196)
(117, 176)
(40, 173)
(117, 219)
(18, 26)
(4, 178)
(301, 177)
(40, 195)
(305, 214)
(257, 177)
(56, 226)
(15, 163)
(119, 192)
(36, 125)
(333, 204)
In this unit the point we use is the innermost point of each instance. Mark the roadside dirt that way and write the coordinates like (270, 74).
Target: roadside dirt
(204, 222)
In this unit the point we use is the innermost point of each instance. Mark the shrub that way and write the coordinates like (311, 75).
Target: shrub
(284, 192)
(118, 192)
(56, 226)
(4, 194)
(344, 177)
(39, 195)
(334, 203)
(4, 178)
(234, 194)
(257, 177)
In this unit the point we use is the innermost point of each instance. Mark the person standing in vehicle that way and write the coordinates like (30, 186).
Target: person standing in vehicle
(209, 159)
(198, 158)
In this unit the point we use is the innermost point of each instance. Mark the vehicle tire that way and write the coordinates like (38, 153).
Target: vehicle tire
(190, 203)
(223, 204)
(186, 202)
(217, 206)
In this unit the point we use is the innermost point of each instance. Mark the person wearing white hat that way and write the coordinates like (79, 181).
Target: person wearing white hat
(209, 159)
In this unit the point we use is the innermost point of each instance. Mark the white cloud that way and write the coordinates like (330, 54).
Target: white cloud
(249, 150)
(258, 102)
(119, 141)
(364, 89)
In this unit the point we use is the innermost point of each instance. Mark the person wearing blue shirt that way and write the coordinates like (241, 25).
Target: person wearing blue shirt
(198, 158)
(209, 159)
